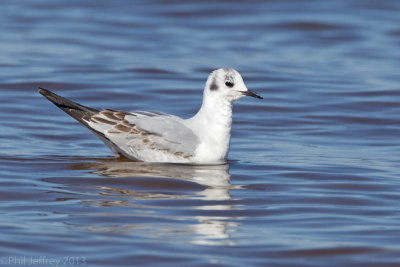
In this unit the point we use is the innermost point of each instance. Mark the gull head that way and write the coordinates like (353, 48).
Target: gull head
(227, 84)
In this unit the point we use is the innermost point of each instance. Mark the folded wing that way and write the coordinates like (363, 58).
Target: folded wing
(143, 134)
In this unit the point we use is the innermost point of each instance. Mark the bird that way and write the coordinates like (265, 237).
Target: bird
(152, 136)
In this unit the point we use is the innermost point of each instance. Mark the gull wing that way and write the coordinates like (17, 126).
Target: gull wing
(170, 128)
(146, 132)
(140, 135)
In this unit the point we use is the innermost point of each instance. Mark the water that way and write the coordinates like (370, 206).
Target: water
(313, 171)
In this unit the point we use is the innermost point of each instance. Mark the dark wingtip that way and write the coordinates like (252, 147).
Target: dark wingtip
(43, 91)
(64, 103)
(56, 99)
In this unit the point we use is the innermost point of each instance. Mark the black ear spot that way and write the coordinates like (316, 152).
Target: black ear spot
(214, 86)
(229, 84)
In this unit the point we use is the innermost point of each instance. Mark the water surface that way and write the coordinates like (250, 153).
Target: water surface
(313, 171)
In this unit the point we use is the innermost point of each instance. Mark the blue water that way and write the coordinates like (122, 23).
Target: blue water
(313, 171)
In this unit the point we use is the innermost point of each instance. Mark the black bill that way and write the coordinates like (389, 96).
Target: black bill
(250, 93)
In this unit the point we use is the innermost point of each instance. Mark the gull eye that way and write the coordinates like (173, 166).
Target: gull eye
(229, 84)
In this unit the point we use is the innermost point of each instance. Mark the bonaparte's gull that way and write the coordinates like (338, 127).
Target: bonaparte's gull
(158, 137)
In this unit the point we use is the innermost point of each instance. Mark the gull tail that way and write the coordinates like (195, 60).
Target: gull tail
(77, 111)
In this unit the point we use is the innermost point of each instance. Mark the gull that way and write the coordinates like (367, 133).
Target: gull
(153, 136)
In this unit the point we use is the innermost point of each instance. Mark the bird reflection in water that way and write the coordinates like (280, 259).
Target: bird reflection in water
(200, 191)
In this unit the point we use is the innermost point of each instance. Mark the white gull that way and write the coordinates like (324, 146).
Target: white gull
(158, 137)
